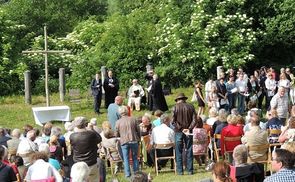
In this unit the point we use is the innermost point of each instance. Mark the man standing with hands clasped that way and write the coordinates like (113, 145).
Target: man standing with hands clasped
(183, 119)
(111, 88)
(96, 86)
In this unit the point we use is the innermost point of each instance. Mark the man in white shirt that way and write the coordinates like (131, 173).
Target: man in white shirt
(163, 134)
(241, 84)
(135, 93)
(27, 146)
(280, 102)
(270, 85)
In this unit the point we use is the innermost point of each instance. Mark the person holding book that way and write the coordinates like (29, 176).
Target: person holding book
(135, 93)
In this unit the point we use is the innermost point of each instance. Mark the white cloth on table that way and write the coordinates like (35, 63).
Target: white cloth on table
(44, 114)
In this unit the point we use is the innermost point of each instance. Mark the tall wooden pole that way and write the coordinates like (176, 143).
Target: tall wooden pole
(46, 52)
(62, 84)
(28, 93)
(46, 67)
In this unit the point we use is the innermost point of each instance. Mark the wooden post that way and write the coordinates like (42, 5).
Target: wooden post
(28, 94)
(46, 68)
(103, 71)
(62, 84)
(46, 52)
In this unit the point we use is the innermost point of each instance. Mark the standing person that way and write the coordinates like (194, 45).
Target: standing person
(271, 86)
(208, 88)
(200, 98)
(84, 147)
(111, 88)
(284, 82)
(231, 96)
(262, 90)
(149, 78)
(222, 94)
(128, 131)
(96, 86)
(158, 97)
(113, 114)
(183, 119)
(280, 102)
(241, 84)
(292, 87)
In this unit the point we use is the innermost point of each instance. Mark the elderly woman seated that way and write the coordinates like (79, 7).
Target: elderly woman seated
(80, 172)
(242, 171)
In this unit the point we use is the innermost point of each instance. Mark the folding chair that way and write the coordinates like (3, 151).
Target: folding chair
(216, 149)
(75, 96)
(271, 133)
(164, 146)
(111, 158)
(259, 148)
(227, 153)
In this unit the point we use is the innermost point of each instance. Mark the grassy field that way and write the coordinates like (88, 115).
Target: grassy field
(14, 113)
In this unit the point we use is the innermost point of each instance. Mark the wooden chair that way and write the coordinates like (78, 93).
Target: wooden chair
(216, 149)
(145, 146)
(18, 179)
(272, 132)
(164, 146)
(113, 160)
(75, 96)
(259, 148)
(227, 153)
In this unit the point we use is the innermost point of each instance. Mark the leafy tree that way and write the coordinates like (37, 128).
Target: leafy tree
(215, 33)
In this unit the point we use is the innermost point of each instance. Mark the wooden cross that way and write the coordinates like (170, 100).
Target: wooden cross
(45, 52)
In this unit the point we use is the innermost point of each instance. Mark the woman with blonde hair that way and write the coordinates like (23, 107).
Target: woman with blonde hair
(231, 130)
(288, 132)
(199, 95)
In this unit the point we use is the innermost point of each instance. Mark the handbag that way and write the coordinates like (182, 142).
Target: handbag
(194, 98)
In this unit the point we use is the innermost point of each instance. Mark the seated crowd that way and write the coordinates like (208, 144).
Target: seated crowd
(234, 143)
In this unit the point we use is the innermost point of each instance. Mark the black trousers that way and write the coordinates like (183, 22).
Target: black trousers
(97, 102)
(161, 153)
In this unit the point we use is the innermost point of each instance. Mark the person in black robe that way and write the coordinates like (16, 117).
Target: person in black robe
(111, 88)
(96, 86)
(149, 78)
(158, 98)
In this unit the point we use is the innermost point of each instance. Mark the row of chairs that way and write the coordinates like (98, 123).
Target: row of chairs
(254, 148)
(217, 150)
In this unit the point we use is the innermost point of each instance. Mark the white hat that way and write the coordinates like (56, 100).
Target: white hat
(93, 121)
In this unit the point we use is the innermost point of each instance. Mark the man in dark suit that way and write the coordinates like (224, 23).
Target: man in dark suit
(111, 88)
(96, 86)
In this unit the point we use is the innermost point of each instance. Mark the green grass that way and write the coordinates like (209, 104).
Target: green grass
(14, 113)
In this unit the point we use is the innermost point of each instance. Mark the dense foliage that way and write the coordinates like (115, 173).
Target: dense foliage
(184, 39)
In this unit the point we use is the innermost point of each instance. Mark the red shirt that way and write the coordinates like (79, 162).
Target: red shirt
(13, 166)
(230, 131)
